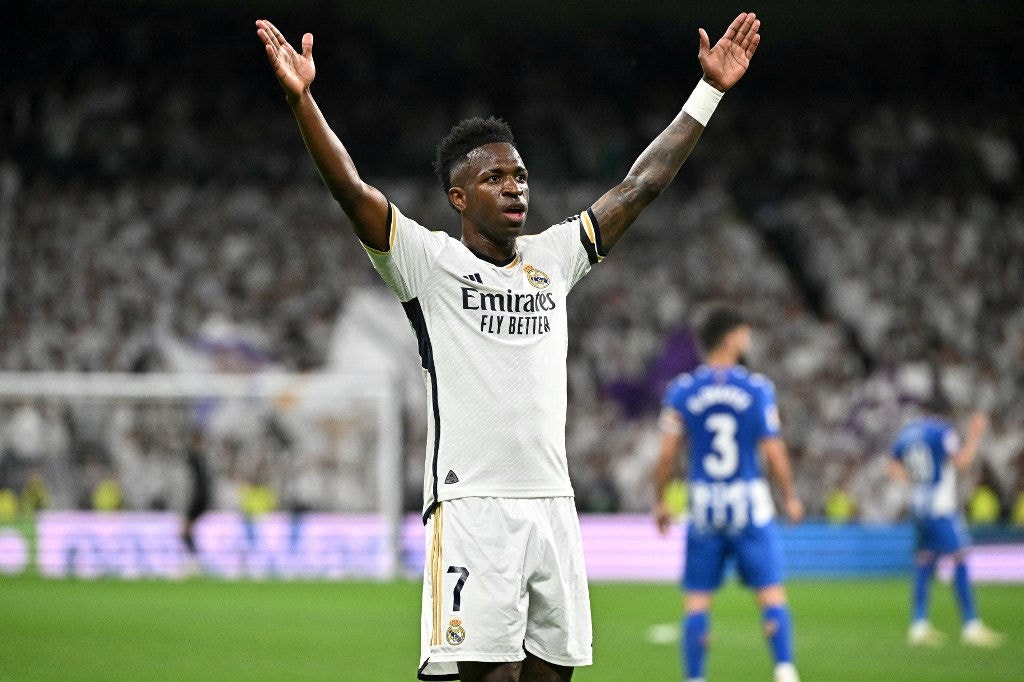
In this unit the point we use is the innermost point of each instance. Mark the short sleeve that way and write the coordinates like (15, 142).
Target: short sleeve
(407, 264)
(672, 419)
(576, 243)
(771, 424)
(899, 447)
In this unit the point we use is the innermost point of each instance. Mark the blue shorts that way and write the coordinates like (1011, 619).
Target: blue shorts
(756, 550)
(942, 535)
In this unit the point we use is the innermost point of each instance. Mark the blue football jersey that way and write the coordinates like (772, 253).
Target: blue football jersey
(725, 413)
(925, 447)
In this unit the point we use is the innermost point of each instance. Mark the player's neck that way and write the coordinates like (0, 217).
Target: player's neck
(494, 252)
(721, 358)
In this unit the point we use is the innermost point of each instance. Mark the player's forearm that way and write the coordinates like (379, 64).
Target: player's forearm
(662, 477)
(783, 477)
(967, 454)
(657, 166)
(330, 156)
(664, 469)
(779, 469)
(651, 173)
(965, 457)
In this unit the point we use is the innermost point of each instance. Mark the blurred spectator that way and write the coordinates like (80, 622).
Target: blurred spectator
(8, 505)
(983, 506)
(35, 496)
(106, 496)
(1017, 512)
(839, 506)
(258, 496)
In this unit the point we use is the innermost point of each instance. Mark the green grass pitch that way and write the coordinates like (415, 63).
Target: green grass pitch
(200, 629)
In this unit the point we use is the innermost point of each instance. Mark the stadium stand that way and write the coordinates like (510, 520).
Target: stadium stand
(158, 213)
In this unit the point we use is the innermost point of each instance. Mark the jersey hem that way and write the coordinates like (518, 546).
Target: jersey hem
(567, 661)
(476, 656)
(420, 675)
(463, 656)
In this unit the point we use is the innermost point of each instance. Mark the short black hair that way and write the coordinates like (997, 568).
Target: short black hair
(717, 325)
(466, 136)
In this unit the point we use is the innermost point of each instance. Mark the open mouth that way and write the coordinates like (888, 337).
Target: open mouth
(515, 212)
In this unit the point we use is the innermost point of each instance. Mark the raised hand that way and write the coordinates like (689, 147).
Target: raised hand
(977, 425)
(726, 62)
(294, 71)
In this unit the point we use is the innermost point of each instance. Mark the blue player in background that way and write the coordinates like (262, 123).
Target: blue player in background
(928, 454)
(731, 421)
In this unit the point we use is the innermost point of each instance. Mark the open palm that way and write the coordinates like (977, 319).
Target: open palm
(294, 71)
(726, 62)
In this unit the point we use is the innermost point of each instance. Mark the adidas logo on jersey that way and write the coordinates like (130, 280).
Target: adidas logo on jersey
(451, 477)
(475, 277)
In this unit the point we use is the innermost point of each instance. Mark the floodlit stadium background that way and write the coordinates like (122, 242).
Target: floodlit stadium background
(858, 195)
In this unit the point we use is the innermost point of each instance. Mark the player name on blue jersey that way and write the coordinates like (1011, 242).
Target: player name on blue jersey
(728, 394)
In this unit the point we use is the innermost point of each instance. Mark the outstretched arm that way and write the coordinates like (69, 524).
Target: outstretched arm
(965, 456)
(364, 204)
(723, 65)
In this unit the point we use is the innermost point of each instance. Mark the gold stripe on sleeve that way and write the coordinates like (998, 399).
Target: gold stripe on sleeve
(588, 227)
(394, 226)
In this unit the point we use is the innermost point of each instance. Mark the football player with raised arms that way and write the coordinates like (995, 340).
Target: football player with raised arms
(730, 419)
(927, 455)
(505, 592)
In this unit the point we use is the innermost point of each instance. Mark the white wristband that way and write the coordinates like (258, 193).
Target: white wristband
(702, 102)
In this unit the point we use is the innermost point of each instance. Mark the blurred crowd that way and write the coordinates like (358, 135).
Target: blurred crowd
(160, 215)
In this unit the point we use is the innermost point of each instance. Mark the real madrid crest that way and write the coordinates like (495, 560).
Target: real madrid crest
(537, 277)
(456, 634)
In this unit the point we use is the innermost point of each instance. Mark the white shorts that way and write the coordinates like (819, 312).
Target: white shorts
(503, 576)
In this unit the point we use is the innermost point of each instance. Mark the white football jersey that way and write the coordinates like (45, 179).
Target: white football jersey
(492, 341)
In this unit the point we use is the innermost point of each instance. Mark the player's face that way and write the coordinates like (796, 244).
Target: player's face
(491, 192)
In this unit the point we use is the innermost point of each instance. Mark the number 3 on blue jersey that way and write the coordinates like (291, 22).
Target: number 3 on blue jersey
(724, 458)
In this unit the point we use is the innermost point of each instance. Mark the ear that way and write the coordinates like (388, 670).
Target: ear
(457, 198)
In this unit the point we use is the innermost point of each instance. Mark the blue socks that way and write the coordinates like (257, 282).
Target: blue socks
(922, 588)
(961, 587)
(694, 643)
(778, 628)
(964, 594)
